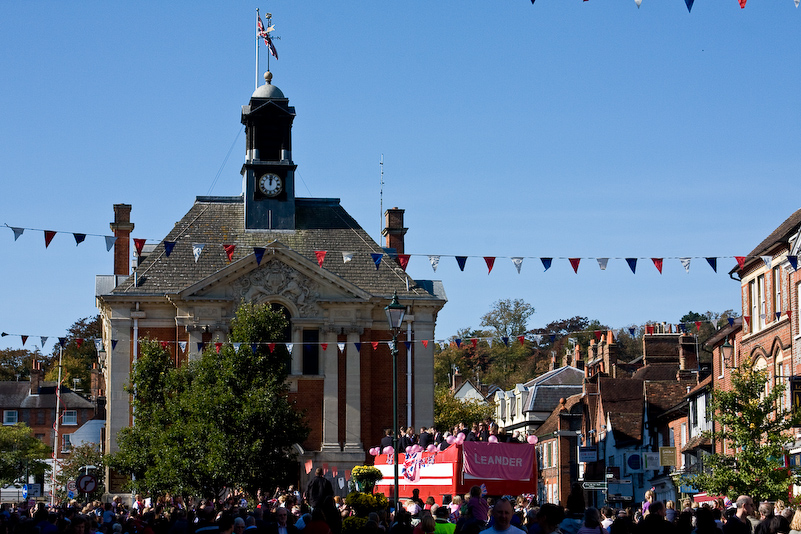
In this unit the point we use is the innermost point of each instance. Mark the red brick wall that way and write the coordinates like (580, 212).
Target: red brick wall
(309, 400)
(376, 386)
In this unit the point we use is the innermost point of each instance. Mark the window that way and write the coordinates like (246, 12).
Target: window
(683, 434)
(777, 290)
(762, 310)
(779, 377)
(311, 352)
(66, 442)
(10, 417)
(70, 417)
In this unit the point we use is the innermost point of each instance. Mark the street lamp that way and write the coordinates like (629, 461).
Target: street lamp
(727, 350)
(395, 312)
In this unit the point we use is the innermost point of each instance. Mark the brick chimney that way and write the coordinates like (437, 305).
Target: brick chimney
(394, 231)
(36, 377)
(458, 380)
(122, 228)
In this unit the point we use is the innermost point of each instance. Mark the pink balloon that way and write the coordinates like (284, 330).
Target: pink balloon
(388, 450)
(461, 437)
(493, 439)
(372, 451)
(409, 449)
(450, 440)
(532, 440)
(431, 448)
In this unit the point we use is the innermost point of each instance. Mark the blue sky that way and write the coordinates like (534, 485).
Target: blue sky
(559, 129)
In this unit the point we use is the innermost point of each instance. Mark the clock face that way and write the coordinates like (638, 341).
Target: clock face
(271, 184)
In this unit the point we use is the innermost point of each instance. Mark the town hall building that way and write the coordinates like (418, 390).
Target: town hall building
(306, 256)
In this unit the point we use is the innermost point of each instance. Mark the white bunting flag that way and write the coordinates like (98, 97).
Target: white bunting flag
(110, 240)
(489, 342)
(602, 263)
(341, 347)
(197, 248)
(347, 256)
(182, 344)
(98, 345)
(638, 2)
(518, 261)
(289, 347)
(767, 260)
(686, 263)
(434, 262)
(236, 346)
(538, 338)
(391, 345)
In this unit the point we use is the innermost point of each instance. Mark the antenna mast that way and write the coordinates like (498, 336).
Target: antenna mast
(381, 197)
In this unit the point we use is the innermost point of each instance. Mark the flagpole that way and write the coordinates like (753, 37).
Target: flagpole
(257, 48)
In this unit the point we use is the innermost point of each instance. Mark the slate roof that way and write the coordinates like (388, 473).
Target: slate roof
(622, 400)
(657, 372)
(321, 225)
(545, 390)
(782, 234)
(662, 396)
(551, 424)
(16, 395)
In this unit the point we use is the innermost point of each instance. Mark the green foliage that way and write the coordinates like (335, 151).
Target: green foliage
(449, 411)
(353, 524)
(76, 361)
(21, 453)
(16, 364)
(749, 419)
(223, 420)
(73, 466)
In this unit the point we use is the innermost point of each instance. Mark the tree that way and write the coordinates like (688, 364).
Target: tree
(79, 353)
(16, 364)
(508, 318)
(222, 420)
(749, 420)
(80, 461)
(21, 454)
(450, 411)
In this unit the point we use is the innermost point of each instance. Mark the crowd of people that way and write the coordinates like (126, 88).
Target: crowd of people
(486, 431)
(319, 511)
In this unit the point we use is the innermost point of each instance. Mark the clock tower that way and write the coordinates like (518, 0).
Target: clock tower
(268, 175)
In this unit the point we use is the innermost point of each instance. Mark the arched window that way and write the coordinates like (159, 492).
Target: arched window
(762, 365)
(781, 377)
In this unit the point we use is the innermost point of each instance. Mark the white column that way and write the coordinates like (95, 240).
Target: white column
(353, 396)
(330, 367)
(296, 357)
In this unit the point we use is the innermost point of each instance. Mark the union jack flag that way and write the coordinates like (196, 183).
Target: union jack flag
(411, 467)
(265, 34)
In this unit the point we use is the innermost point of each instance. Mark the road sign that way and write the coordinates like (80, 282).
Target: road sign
(71, 486)
(25, 491)
(86, 483)
(594, 485)
(70, 495)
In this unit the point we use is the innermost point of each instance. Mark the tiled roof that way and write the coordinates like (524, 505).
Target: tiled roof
(622, 400)
(696, 443)
(781, 234)
(663, 396)
(16, 395)
(551, 424)
(322, 225)
(657, 372)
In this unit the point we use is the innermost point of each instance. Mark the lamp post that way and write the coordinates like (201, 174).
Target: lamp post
(727, 350)
(395, 313)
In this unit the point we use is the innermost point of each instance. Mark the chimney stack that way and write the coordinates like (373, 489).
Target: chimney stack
(36, 377)
(394, 231)
(122, 228)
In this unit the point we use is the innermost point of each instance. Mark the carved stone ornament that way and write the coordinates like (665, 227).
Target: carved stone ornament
(277, 279)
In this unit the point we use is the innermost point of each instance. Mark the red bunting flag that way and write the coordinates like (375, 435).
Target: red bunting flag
(271, 346)
(425, 343)
(49, 235)
(24, 339)
(649, 329)
(597, 335)
(698, 325)
(522, 339)
(229, 251)
(657, 264)
(474, 341)
(334, 470)
(217, 347)
(79, 341)
(742, 4)
(324, 346)
(490, 261)
(403, 260)
(789, 314)
(139, 244)
(740, 261)
(320, 256)
(164, 344)
(325, 468)
(575, 261)
(747, 319)
(308, 465)
(374, 344)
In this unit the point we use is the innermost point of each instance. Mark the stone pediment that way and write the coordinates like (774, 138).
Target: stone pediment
(283, 276)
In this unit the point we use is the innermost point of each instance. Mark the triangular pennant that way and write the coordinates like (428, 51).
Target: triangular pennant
(259, 253)
(376, 259)
(98, 345)
(602, 263)
(574, 262)
(742, 4)
(113, 344)
(358, 346)
(489, 342)
(458, 342)
(522, 340)
(657, 264)
(730, 320)
(324, 346)
(632, 264)
(289, 347)
(689, 5)
(164, 344)
(461, 260)
(48, 235)
(505, 340)
(638, 2)
(408, 345)
(254, 347)
(767, 260)
(43, 339)
(425, 343)
(778, 316)
(631, 331)
(740, 261)
(347, 256)
(546, 262)
(403, 260)
(79, 341)
(518, 262)
(713, 262)
(320, 256)
(79, 238)
(24, 339)
(229, 251)
(474, 341)
(391, 345)
(218, 346)
(341, 347)
(698, 326)
(62, 341)
(374, 344)
(538, 338)
(182, 344)
(139, 244)
(490, 261)
(434, 262)
(747, 319)
(685, 262)
(793, 262)
(789, 314)
(649, 329)
(236, 346)
(201, 345)
(197, 248)
(17, 232)
(597, 335)
(168, 246)
(682, 327)
(110, 240)
(552, 337)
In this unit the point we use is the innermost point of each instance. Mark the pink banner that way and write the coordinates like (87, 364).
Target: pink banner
(508, 461)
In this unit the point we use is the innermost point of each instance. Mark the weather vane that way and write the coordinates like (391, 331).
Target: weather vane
(263, 32)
